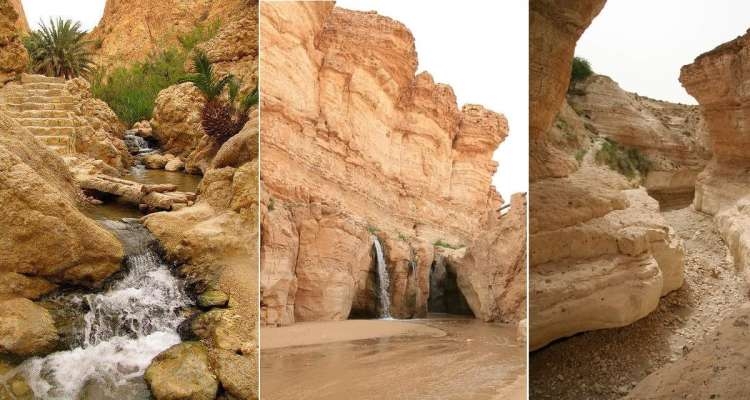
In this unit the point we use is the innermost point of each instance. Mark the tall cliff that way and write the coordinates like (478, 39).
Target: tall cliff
(22, 24)
(356, 146)
(131, 30)
(600, 255)
(718, 79)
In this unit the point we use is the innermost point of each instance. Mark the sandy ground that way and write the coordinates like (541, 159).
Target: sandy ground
(470, 360)
(310, 333)
(607, 364)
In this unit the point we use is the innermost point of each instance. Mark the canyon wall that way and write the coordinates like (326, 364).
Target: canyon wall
(718, 80)
(358, 147)
(22, 24)
(13, 55)
(673, 137)
(600, 254)
(131, 30)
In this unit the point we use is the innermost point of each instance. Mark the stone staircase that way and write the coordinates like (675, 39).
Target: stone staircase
(46, 108)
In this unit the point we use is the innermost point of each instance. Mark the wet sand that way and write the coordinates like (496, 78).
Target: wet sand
(437, 358)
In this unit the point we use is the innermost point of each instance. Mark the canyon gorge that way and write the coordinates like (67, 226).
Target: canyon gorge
(164, 305)
(643, 272)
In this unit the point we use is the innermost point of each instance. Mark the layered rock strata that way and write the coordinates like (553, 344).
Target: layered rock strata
(717, 79)
(673, 137)
(358, 147)
(601, 256)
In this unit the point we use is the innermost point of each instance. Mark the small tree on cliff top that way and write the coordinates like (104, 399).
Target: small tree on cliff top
(580, 70)
(59, 49)
(222, 116)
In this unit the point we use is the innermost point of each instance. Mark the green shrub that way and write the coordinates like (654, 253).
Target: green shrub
(131, 91)
(580, 70)
(580, 154)
(627, 161)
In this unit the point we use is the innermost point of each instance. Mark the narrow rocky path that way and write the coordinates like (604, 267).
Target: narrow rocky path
(607, 364)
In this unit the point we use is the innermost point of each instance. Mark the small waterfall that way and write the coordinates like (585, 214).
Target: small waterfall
(123, 329)
(136, 144)
(383, 280)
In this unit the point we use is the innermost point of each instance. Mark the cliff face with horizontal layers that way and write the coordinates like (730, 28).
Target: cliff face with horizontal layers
(46, 241)
(673, 137)
(358, 148)
(718, 80)
(131, 30)
(600, 254)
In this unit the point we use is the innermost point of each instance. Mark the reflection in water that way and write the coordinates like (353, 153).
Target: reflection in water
(474, 361)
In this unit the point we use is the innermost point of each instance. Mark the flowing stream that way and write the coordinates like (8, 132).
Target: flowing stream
(383, 280)
(121, 330)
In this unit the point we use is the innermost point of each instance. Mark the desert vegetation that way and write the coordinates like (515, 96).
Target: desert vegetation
(59, 49)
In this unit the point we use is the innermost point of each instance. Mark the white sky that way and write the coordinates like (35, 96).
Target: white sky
(480, 48)
(642, 44)
(88, 12)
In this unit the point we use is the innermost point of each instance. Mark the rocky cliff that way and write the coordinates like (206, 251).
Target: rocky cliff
(22, 24)
(600, 254)
(673, 137)
(718, 80)
(13, 55)
(357, 147)
(131, 30)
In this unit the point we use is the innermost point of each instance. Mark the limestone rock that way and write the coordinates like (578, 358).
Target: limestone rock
(155, 161)
(404, 162)
(554, 30)
(714, 369)
(13, 55)
(22, 24)
(174, 164)
(213, 298)
(26, 329)
(44, 234)
(182, 372)
(673, 137)
(238, 375)
(130, 30)
(143, 129)
(176, 121)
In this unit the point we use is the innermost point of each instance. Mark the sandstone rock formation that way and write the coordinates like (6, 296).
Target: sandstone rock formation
(600, 254)
(356, 146)
(22, 24)
(131, 30)
(176, 122)
(13, 56)
(555, 29)
(717, 80)
(673, 137)
(38, 196)
(182, 372)
(714, 369)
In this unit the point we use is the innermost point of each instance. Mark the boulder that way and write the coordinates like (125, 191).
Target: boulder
(155, 161)
(26, 329)
(176, 121)
(182, 372)
(175, 164)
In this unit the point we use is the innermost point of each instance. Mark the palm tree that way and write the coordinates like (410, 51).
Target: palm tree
(59, 49)
(221, 117)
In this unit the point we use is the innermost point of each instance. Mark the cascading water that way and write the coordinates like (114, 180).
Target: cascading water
(136, 144)
(122, 330)
(383, 280)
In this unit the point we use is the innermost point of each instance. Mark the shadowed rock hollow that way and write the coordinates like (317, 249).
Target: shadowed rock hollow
(356, 144)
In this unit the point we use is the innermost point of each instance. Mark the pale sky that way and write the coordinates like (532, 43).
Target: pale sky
(88, 12)
(642, 44)
(480, 48)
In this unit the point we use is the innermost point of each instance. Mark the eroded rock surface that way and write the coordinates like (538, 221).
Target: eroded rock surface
(26, 329)
(600, 254)
(672, 136)
(357, 146)
(13, 55)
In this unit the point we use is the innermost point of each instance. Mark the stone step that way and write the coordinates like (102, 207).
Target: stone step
(60, 149)
(28, 78)
(16, 99)
(39, 114)
(42, 86)
(25, 92)
(39, 106)
(47, 122)
(54, 140)
(51, 131)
